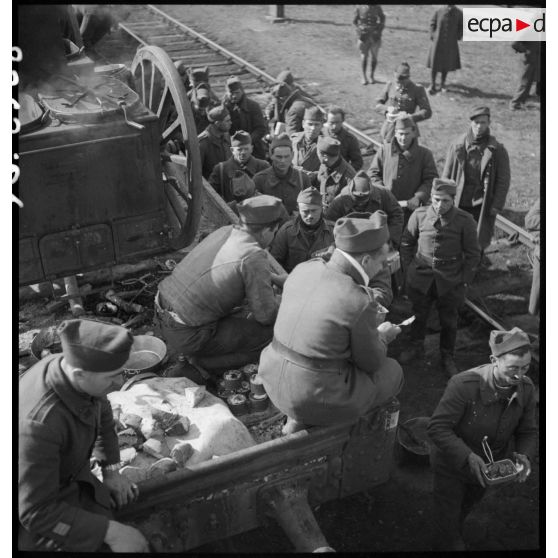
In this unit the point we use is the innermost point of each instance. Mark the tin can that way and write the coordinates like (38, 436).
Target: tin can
(392, 414)
(232, 379)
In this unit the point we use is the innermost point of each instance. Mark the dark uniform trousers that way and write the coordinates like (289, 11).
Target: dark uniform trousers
(448, 306)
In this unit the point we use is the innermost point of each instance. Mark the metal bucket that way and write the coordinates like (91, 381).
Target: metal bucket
(146, 355)
(413, 440)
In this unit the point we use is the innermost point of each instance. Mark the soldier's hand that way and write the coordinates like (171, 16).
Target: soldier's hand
(526, 471)
(123, 538)
(413, 203)
(477, 466)
(122, 490)
(279, 278)
(388, 331)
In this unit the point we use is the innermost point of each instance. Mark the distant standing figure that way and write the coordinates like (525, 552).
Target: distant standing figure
(533, 225)
(530, 65)
(446, 28)
(369, 21)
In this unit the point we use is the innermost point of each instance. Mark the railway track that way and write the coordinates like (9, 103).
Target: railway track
(149, 25)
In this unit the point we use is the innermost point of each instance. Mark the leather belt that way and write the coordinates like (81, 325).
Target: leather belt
(321, 364)
(439, 261)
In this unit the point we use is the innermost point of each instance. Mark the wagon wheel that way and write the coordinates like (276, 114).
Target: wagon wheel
(161, 89)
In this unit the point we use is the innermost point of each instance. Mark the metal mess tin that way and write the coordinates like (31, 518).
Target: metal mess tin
(498, 472)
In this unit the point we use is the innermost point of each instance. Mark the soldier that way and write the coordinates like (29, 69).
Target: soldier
(202, 97)
(530, 66)
(402, 95)
(214, 141)
(495, 401)
(282, 179)
(334, 172)
(195, 305)
(446, 29)
(305, 143)
(301, 238)
(533, 224)
(440, 253)
(369, 21)
(241, 161)
(327, 363)
(288, 106)
(64, 418)
(404, 167)
(350, 150)
(246, 115)
(362, 196)
(481, 167)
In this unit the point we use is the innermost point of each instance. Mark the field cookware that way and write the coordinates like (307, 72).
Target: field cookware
(413, 439)
(146, 355)
(499, 472)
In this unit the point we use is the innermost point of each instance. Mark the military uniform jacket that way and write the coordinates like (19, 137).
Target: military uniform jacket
(59, 430)
(222, 174)
(248, 116)
(370, 20)
(495, 175)
(214, 149)
(286, 188)
(292, 245)
(442, 249)
(305, 158)
(341, 334)
(219, 274)
(330, 182)
(350, 149)
(471, 409)
(405, 173)
(380, 198)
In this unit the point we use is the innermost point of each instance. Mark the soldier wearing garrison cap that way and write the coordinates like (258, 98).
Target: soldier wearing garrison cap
(481, 167)
(215, 141)
(64, 419)
(305, 143)
(495, 401)
(194, 306)
(361, 195)
(334, 172)
(243, 162)
(404, 167)
(282, 179)
(327, 363)
(308, 233)
(402, 95)
(440, 253)
(246, 114)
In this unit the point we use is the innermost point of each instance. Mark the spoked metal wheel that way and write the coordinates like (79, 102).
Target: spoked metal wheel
(160, 87)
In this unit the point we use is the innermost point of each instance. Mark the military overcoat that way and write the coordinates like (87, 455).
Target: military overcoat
(446, 28)
(214, 149)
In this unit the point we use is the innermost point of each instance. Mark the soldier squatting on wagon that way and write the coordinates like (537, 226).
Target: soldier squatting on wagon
(315, 325)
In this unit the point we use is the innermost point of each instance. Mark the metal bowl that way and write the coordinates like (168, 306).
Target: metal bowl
(413, 438)
(46, 340)
(146, 355)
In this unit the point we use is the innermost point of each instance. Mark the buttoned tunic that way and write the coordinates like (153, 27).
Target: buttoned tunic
(350, 149)
(293, 244)
(59, 430)
(286, 188)
(441, 249)
(471, 409)
(380, 199)
(214, 149)
(327, 362)
(305, 156)
(330, 181)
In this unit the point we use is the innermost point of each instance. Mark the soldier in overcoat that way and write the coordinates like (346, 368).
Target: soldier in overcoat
(440, 254)
(64, 420)
(496, 401)
(481, 167)
(350, 149)
(327, 363)
(446, 29)
(215, 142)
(305, 143)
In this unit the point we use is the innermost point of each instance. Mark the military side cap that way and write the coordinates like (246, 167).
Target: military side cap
(314, 113)
(444, 186)
(404, 120)
(329, 145)
(479, 111)
(286, 77)
(502, 342)
(361, 235)
(94, 346)
(280, 89)
(217, 114)
(260, 210)
(234, 83)
(310, 196)
(360, 183)
(403, 70)
(241, 138)
(282, 140)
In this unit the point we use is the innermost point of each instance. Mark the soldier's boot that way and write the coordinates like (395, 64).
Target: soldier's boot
(448, 365)
(415, 353)
(372, 70)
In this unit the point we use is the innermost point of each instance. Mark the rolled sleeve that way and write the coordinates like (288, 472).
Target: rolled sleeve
(256, 273)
